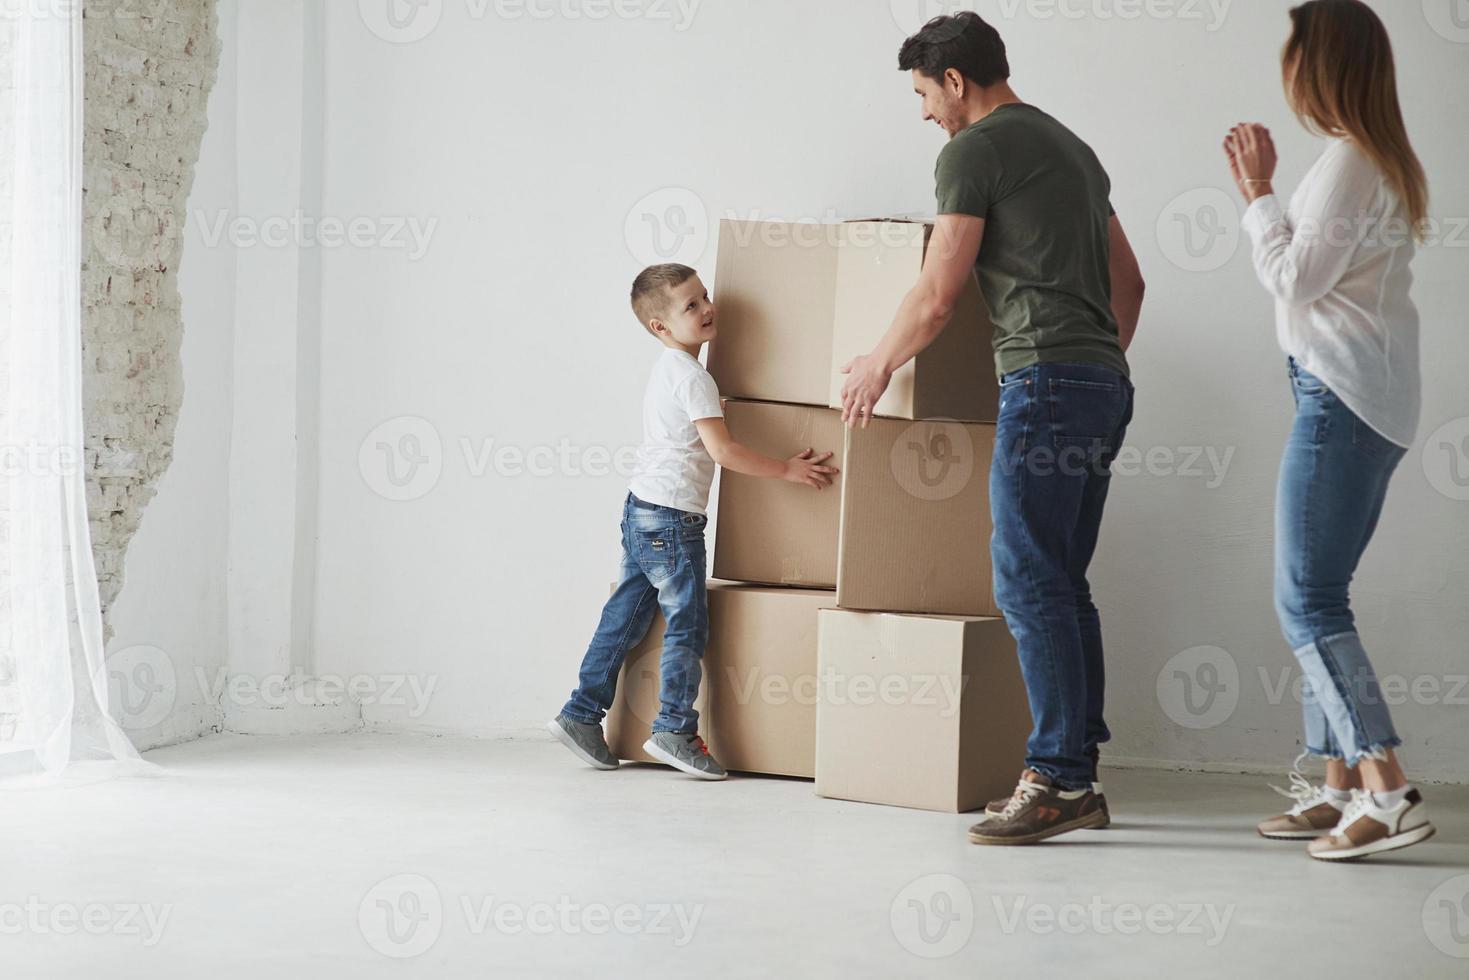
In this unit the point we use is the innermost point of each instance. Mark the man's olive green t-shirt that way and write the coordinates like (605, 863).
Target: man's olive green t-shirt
(1043, 263)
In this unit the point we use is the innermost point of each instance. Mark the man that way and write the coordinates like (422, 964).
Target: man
(1023, 204)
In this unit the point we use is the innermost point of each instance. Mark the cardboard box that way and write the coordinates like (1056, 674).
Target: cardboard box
(775, 287)
(954, 377)
(798, 300)
(918, 711)
(762, 677)
(915, 524)
(770, 531)
(757, 702)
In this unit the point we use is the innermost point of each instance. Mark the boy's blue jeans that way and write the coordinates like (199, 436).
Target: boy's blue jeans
(1059, 430)
(1333, 480)
(663, 567)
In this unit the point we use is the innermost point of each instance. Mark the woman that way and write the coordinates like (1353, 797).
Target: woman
(1336, 261)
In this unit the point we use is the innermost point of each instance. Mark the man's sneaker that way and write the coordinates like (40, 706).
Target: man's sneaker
(1366, 828)
(1038, 810)
(994, 808)
(686, 752)
(1315, 811)
(585, 741)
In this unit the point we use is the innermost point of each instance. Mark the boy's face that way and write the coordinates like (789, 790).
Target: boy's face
(941, 101)
(690, 320)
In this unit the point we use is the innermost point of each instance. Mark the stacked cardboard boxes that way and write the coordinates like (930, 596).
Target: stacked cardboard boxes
(862, 648)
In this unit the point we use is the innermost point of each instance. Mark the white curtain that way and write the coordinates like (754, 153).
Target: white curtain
(54, 723)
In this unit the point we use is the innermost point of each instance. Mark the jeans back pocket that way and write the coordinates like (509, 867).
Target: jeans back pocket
(1086, 414)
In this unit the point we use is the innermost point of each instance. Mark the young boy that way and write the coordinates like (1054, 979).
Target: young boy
(663, 520)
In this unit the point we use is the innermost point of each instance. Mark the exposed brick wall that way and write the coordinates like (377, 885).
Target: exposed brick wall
(149, 67)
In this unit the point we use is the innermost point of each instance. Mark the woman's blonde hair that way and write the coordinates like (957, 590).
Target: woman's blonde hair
(1341, 81)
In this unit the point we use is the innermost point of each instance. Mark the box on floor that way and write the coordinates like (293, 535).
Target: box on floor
(757, 702)
(918, 711)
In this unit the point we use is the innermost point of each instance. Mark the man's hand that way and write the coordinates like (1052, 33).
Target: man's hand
(948, 267)
(866, 382)
(809, 468)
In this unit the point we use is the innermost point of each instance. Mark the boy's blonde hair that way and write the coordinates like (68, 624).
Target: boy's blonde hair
(650, 290)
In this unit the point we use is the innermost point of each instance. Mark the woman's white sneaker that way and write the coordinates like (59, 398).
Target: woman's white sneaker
(1366, 828)
(1316, 811)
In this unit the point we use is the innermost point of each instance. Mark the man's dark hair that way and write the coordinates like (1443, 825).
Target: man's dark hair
(961, 41)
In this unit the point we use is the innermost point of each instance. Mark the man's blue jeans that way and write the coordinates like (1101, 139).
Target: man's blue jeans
(1060, 428)
(663, 567)
(1333, 480)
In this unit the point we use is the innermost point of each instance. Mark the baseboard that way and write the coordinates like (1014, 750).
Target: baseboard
(1245, 768)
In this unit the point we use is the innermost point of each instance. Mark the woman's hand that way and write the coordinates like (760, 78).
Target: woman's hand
(1252, 159)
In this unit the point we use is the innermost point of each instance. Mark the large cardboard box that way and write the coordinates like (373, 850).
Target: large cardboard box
(775, 286)
(954, 377)
(799, 300)
(757, 703)
(918, 711)
(915, 523)
(770, 531)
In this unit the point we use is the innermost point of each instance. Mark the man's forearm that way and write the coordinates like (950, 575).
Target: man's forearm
(919, 321)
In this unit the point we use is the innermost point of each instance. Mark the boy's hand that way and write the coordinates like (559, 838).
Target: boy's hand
(808, 468)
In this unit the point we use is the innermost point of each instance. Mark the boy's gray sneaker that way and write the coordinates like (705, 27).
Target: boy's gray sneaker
(686, 752)
(585, 741)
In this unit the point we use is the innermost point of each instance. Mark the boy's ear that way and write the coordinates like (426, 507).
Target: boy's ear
(657, 326)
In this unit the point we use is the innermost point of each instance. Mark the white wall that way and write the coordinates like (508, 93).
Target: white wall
(529, 148)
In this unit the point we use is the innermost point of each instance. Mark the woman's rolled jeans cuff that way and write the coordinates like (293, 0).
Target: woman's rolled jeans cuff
(1377, 753)
(1342, 701)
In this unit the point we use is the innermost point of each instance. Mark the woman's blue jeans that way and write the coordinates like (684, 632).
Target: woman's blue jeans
(1333, 480)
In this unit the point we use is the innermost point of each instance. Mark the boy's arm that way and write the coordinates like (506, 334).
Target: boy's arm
(806, 467)
(1127, 284)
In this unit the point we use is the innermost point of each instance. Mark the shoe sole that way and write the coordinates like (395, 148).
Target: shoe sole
(666, 758)
(564, 737)
(1091, 821)
(1393, 843)
(1293, 834)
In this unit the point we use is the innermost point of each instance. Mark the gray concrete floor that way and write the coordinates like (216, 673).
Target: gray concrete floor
(370, 856)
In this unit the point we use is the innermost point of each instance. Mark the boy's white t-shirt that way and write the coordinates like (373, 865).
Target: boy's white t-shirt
(673, 468)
